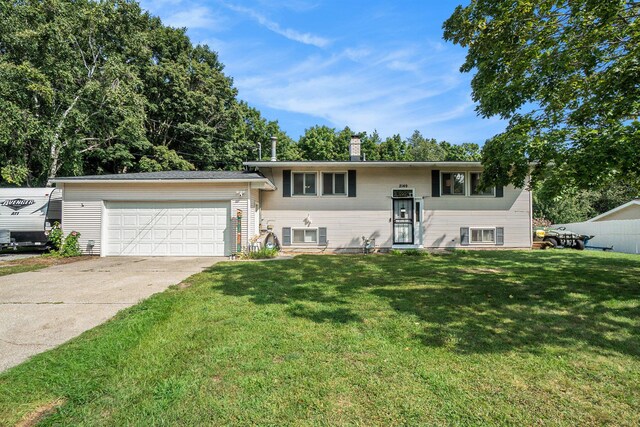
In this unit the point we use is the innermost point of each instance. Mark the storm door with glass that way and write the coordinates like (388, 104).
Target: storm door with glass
(403, 221)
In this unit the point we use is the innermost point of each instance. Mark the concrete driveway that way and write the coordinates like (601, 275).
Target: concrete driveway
(42, 309)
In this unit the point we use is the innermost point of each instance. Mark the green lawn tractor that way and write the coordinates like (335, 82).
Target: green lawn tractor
(560, 237)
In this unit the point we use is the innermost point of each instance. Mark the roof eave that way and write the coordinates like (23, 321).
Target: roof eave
(360, 164)
(155, 181)
(614, 210)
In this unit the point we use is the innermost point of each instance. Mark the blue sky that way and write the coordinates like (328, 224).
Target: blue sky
(365, 64)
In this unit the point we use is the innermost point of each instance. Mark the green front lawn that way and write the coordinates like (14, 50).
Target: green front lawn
(522, 338)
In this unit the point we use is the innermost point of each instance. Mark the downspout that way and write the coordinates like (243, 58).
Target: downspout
(530, 218)
(250, 220)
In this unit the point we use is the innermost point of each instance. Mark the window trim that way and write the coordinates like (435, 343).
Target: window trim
(293, 173)
(316, 230)
(346, 184)
(464, 173)
(493, 189)
(472, 242)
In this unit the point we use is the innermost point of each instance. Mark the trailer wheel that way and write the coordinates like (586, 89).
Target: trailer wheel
(579, 245)
(552, 241)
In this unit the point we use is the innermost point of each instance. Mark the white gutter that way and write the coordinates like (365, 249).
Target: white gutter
(360, 164)
(162, 180)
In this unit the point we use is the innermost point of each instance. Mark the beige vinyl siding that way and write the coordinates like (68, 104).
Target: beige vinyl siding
(86, 219)
(82, 205)
(369, 214)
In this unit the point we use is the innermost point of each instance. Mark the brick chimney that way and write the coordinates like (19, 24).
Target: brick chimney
(354, 149)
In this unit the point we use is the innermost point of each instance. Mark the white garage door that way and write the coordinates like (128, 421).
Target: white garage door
(167, 228)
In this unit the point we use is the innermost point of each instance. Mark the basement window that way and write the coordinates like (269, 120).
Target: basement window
(483, 235)
(305, 235)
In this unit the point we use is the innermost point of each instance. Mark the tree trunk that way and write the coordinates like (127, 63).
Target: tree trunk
(56, 144)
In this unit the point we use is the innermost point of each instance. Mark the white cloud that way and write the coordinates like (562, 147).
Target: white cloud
(371, 93)
(289, 33)
(196, 17)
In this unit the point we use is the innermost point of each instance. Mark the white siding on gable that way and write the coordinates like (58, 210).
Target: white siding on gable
(86, 219)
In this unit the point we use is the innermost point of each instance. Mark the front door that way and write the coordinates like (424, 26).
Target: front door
(403, 221)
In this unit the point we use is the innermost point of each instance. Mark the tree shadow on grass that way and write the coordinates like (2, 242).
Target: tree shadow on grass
(470, 302)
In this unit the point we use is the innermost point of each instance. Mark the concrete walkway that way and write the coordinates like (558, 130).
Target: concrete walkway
(41, 309)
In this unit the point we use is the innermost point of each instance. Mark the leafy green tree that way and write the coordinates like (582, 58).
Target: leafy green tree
(103, 87)
(392, 148)
(369, 146)
(318, 143)
(422, 149)
(64, 82)
(465, 152)
(341, 144)
(575, 205)
(565, 75)
(254, 130)
(191, 103)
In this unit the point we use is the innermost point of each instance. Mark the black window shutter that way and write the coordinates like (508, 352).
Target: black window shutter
(322, 235)
(499, 191)
(352, 183)
(500, 236)
(286, 236)
(435, 183)
(464, 236)
(286, 183)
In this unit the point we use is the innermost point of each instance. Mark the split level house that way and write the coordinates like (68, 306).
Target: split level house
(332, 206)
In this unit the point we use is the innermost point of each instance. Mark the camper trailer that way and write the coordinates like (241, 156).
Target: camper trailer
(26, 216)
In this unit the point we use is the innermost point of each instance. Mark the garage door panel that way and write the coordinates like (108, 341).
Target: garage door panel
(177, 218)
(191, 235)
(143, 248)
(145, 219)
(160, 233)
(208, 220)
(192, 220)
(176, 248)
(176, 234)
(130, 219)
(167, 228)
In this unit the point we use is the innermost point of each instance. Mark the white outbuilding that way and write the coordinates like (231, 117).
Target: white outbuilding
(618, 228)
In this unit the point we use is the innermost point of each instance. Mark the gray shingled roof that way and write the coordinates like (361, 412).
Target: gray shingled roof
(170, 175)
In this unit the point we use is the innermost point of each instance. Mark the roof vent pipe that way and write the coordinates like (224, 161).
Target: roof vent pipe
(274, 140)
(354, 148)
